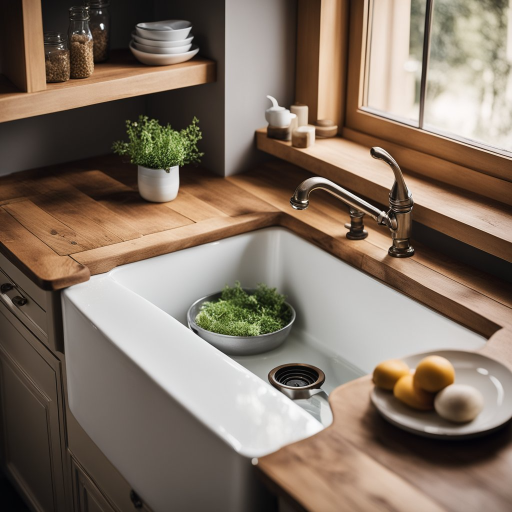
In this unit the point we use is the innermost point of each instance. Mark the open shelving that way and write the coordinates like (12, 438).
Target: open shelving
(23, 89)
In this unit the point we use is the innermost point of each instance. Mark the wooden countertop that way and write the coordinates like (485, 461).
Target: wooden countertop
(63, 223)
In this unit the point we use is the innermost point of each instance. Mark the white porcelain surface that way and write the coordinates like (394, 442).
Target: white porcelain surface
(174, 414)
(279, 117)
(155, 59)
(161, 44)
(491, 378)
(162, 51)
(157, 185)
(169, 30)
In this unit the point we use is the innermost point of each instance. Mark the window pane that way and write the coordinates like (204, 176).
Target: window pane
(469, 89)
(395, 55)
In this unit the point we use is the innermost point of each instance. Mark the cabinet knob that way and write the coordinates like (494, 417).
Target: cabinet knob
(137, 502)
(6, 287)
(19, 301)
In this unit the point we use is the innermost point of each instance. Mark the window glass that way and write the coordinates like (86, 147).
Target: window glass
(394, 58)
(469, 86)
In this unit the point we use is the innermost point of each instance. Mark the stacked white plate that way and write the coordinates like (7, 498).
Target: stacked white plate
(161, 43)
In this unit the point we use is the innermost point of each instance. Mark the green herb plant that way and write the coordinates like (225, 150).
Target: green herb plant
(160, 147)
(238, 313)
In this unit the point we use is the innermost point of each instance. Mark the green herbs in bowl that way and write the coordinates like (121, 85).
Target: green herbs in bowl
(242, 321)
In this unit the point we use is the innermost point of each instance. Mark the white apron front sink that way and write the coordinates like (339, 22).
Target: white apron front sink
(182, 421)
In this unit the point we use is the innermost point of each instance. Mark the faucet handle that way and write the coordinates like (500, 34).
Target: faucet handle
(399, 194)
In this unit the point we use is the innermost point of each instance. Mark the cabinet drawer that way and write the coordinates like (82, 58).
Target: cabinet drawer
(35, 308)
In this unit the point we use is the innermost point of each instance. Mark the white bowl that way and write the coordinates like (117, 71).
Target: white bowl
(161, 44)
(155, 59)
(169, 30)
(166, 51)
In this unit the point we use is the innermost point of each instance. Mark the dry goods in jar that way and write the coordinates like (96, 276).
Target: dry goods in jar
(81, 54)
(57, 66)
(100, 44)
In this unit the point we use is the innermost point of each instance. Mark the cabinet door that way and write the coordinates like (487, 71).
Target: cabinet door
(29, 410)
(87, 497)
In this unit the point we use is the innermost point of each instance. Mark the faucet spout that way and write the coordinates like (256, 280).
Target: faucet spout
(399, 195)
(398, 219)
(300, 198)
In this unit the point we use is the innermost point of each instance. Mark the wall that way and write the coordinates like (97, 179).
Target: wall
(253, 43)
(260, 60)
(64, 136)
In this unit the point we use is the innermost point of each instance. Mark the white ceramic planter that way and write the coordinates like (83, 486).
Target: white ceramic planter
(157, 185)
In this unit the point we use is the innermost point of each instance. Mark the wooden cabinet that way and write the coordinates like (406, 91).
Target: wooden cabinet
(86, 496)
(43, 450)
(31, 419)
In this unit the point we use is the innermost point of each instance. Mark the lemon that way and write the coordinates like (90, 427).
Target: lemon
(388, 372)
(411, 395)
(434, 373)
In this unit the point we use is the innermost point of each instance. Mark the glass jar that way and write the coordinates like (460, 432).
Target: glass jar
(100, 27)
(56, 57)
(80, 43)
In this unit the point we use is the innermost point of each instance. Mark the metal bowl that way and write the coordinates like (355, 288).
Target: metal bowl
(237, 345)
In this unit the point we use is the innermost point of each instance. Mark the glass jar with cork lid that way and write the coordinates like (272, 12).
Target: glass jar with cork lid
(80, 42)
(100, 27)
(56, 57)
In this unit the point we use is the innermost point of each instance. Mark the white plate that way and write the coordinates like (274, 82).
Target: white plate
(161, 44)
(491, 378)
(169, 30)
(155, 59)
(165, 51)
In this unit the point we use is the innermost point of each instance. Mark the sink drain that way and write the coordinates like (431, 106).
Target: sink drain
(297, 380)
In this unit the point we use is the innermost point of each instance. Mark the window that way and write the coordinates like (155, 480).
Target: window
(444, 66)
(434, 76)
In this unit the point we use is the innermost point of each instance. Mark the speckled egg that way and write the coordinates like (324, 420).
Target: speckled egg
(459, 403)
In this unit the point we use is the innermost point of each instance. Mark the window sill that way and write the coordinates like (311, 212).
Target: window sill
(465, 216)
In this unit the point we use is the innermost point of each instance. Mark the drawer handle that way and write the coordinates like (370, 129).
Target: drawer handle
(19, 301)
(6, 287)
(15, 304)
(135, 498)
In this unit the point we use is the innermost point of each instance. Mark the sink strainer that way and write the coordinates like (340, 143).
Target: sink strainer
(297, 380)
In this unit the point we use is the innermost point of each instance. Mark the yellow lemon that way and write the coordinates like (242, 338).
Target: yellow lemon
(414, 397)
(387, 373)
(434, 373)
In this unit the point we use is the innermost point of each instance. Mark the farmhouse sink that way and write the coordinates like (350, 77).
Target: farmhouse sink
(182, 421)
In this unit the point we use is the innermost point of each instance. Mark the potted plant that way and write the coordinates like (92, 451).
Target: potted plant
(159, 152)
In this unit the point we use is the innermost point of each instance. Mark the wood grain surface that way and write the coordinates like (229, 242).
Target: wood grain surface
(121, 77)
(60, 224)
(22, 45)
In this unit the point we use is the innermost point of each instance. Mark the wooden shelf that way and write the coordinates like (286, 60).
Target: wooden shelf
(121, 77)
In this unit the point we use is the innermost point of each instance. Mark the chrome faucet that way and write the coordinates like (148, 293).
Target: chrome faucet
(398, 219)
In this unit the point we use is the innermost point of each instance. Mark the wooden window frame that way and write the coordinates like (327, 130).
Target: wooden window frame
(331, 56)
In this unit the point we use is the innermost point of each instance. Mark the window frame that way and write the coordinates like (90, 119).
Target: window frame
(361, 120)
(329, 79)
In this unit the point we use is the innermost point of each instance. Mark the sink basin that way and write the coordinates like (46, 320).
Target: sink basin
(181, 420)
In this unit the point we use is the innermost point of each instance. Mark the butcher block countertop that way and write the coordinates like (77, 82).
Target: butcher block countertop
(61, 224)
